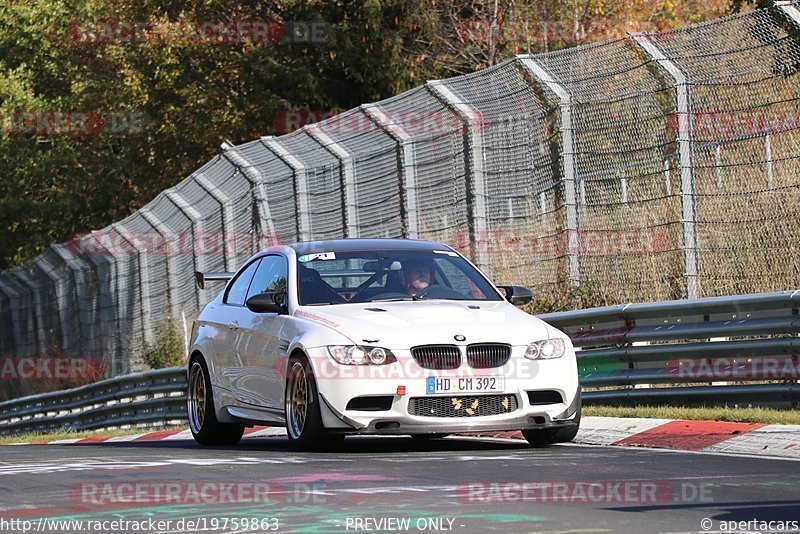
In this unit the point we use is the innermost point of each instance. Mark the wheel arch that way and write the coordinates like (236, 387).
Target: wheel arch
(212, 369)
(220, 396)
(194, 355)
(295, 351)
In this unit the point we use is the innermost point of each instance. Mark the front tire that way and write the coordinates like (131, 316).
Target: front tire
(203, 423)
(548, 436)
(424, 438)
(303, 418)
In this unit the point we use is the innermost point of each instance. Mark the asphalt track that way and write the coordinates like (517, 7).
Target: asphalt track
(460, 485)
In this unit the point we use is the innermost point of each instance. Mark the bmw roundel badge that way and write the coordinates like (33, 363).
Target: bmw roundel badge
(459, 337)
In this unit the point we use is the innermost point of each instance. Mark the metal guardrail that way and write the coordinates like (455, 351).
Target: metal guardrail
(747, 340)
(731, 344)
(153, 397)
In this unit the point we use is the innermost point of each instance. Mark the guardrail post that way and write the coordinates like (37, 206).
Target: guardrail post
(172, 268)
(300, 175)
(198, 234)
(348, 173)
(476, 183)
(688, 199)
(226, 207)
(407, 164)
(16, 320)
(256, 179)
(568, 153)
(144, 279)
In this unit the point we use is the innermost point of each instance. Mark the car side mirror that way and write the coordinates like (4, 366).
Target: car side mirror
(517, 295)
(269, 302)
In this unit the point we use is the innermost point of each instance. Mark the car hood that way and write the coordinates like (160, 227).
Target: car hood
(401, 325)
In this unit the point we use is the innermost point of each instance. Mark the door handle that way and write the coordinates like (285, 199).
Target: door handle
(233, 325)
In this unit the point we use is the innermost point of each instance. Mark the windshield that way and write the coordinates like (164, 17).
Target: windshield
(386, 275)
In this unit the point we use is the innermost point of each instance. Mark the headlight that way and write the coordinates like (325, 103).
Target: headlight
(546, 349)
(361, 355)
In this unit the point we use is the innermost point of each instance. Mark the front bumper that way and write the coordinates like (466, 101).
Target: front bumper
(539, 421)
(338, 385)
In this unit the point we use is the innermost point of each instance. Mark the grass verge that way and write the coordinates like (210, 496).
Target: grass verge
(748, 415)
(71, 434)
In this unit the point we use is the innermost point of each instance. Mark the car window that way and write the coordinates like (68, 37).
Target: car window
(237, 291)
(343, 274)
(271, 275)
(373, 275)
(448, 274)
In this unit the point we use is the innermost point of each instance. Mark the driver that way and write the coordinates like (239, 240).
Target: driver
(419, 275)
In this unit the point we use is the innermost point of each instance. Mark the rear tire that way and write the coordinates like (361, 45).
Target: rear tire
(203, 423)
(548, 436)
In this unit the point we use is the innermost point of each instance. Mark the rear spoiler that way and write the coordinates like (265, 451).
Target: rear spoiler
(202, 278)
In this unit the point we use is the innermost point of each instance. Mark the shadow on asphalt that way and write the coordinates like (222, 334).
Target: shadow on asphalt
(761, 511)
(734, 511)
(351, 445)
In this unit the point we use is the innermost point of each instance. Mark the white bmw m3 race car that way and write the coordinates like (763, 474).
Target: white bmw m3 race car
(375, 336)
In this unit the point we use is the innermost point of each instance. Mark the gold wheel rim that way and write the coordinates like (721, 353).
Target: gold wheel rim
(296, 400)
(197, 398)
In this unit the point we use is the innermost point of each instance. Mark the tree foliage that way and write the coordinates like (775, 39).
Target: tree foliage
(196, 95)
(166, 350)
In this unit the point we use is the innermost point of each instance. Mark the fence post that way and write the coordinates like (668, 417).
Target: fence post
(256, 179)
(198, 234)
(407, 163)
(348, 172)
(118, 273)
(144, 278)
(623, 184)
(300, 175)
(768, 159)
(688, 200)
(568, 153)
(476, 194)
(789, 9)
(172, 268)
(667, 179)
(16, 320)
(226, 207)
(77, 268)
(38, 316)
(61, 300)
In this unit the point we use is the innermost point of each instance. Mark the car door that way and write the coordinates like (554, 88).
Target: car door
(229, 318)
(261, 341)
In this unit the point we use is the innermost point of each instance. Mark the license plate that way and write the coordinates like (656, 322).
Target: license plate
(436, 385)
